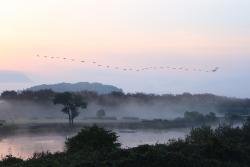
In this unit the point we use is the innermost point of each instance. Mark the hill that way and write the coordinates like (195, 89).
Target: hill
(78, 87)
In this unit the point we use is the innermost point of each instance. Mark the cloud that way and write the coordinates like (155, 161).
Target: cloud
(13, 77)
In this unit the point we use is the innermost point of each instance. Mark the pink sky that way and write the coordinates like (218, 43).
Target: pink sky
(131, 33)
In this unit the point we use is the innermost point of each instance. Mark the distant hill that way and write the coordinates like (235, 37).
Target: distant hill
(78, 87)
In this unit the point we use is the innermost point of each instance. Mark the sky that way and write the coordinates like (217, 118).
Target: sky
(130, 34)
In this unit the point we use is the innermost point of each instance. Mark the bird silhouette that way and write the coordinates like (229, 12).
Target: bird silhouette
(133, 69)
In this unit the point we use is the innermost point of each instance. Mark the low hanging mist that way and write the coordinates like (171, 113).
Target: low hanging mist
(38, 106)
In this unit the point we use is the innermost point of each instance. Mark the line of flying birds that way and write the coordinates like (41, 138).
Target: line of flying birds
(131, 69)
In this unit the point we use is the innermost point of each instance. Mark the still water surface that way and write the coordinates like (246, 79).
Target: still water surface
(24, 145)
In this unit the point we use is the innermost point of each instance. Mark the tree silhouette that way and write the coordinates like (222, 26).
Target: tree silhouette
(9, 94)
(71, 104)
(101, 113)
(91, 139)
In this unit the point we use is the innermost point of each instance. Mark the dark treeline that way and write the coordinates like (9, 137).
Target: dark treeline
(224, 146)
(190, 119)
(206, 101)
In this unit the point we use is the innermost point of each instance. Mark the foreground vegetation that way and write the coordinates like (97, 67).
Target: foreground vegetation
(224, 146)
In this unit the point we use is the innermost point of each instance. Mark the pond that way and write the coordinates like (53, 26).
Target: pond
(25, 144)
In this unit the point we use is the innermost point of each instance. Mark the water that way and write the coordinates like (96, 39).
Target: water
(24, 145)
(150, 137)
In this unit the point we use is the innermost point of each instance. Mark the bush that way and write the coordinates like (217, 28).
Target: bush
(93, 139)
(10, 160)
(101, 113)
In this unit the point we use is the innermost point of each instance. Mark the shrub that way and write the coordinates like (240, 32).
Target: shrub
(93, 139)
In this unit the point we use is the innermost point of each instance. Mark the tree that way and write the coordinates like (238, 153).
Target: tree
(211, 117)
(92, 139)
(232, 118)
(71, 104)
(194, 116)
(9, 160)
(100, 113)
(9, 94)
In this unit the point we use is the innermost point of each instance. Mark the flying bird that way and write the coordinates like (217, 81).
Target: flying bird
(132, 69)
(216, 69)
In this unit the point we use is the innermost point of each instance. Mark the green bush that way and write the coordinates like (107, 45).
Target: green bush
(93, 139)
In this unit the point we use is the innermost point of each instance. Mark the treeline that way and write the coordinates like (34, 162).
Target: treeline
(224, 146)
(190, 119)
(208, 101)
(40, 96)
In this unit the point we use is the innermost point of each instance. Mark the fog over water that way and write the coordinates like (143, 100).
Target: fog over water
(32, 121)
(25, 143)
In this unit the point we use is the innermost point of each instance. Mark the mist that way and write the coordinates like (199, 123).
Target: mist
(15, 111)
(19, 111)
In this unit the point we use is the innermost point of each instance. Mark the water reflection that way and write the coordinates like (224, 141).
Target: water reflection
(150, 137)
(25, 145)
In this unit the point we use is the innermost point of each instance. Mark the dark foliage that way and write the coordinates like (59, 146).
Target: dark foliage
(38, 96)
(71, 104)
(101, 113)
(9, 94)
(10, 160)
(224, 146)
(190, 119)
(93, 139)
